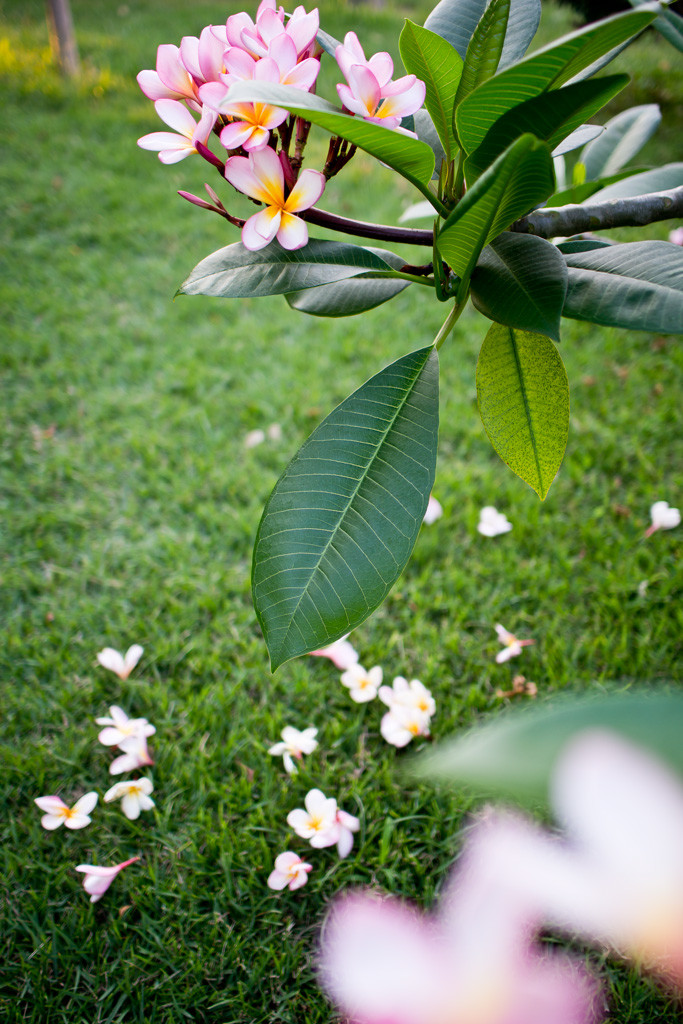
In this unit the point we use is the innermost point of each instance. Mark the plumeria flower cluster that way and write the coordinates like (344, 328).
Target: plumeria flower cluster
(323, 823)
(191, 89)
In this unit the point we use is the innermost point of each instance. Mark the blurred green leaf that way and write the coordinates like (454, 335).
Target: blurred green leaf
(484, 49)
(659, 179)
(669, 24)
(624, 136)
(432, 59)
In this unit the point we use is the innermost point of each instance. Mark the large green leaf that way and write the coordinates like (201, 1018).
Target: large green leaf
(552, 116)
(485, 48)
(669, 24)
(659, 179)
(236, 272)
(439, 66)
(624, 136)
(637, 285)
(342, 520)
(514, 754)
(546, 69)
(521, 281)
(456, 21)
(519, 180)
(523, 396)
(410, 157)
(346, 298)
(426, 132)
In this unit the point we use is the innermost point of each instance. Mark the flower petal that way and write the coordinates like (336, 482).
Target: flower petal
(307, 191)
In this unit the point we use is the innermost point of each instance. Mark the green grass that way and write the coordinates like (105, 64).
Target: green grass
(129, 506)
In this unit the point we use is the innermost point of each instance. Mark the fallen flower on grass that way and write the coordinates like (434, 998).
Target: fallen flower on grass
(402, 724)
(434, 511)
(254, 438)
(135, 755)
(404, 694)
(492, 522)
(520, 687)
(294, 744)
(120, 727)
(134, 796)
(318, 823)
(121, 664)
(663, 517)
(57, 812)
(290, 870)
(97, 879)
(347, 824)
(340, 653)
(362, 685)
(511, 645)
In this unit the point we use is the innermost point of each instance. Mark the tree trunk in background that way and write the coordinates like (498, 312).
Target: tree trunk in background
(63, 37)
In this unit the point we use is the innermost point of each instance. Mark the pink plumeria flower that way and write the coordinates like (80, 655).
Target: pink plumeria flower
(135, 755)
(57, 812)
(98, 879)
(173, 147)
(363, 685)
(370, 93)
(301, 28)
(318, 823)
(400, 725)
(251, 122)
(171, 80)
(204, 56)
(351, 54)
(404, 694)
(433, 512)
(663, 517)
(347, 825)
(290, 870)
(341, 653)
(295, 743)
(261, 177)
(121, 664)
(512, 647)
(120, 727)
(492, 522)
(134, 796)
(676, 236)
(240, 66)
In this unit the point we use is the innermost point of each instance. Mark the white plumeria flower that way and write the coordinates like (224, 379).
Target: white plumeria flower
(663, 517)
(135, 755)
(57, 812)
(318, 823)
(134, 796)
(290, 870)
(492, 522)
(294, 744)
(413, 694)
(434, 511)
(182, 141)
(402, 724)
(120, 727)
(511, 645)
(121, 664)
(97, 879)
(348, 824)
(340, 653)
(362, 685)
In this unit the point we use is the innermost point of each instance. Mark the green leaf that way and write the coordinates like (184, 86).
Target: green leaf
(624, 136)
(552, 116)
(342, 520)
(637, 285)
(410, 157)
(439, 66)
(328, 43)
(579, 137)
(580, 193)
(584, 244)
(546, 69)
(521, 281)
(426, 132)
(669, 24)
(485, 48)
(515, 753)
(519, 180)
(456, 21)
(659, 179)
(346, 298)
(236, 272)
(523, 396)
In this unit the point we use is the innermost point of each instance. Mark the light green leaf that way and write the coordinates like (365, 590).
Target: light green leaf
(659, 179)
(439, 66)
(485, 48)
(546, 69)
(579, 137)
(346, 298)
(624, 136)
(519, 180)
(580, 193)
(514, 754)
(637, 285)
(410, 157)
(523, 396)
(521, 281)
(456, 21)
(235, 272)
(342, 520)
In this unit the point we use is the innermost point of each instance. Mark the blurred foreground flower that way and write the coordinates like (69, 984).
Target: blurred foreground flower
(434, 511)
(97, 880)
(134, 796)
(511, 645)
(663, 517)
(120, 727)
(135, 755)
(676, 236)
(290, 870)
(57, 812)
(492, 522)
(340, 653)
(294, 744)
(362, 685)
(121, 664)
(318, 823)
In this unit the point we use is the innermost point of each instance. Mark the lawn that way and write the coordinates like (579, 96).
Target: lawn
(129, 507)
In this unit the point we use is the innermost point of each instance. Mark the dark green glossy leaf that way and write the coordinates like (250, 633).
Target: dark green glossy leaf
(519, 180)
(637, 285)
(659, 179)
(514, 754)
(584, 244)
(346, 298)
(624, 136)
(485, 48)
(523, 396)
(456, 21)
(521, 281)
(342, 520)
(235, 272)
(439, 66)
